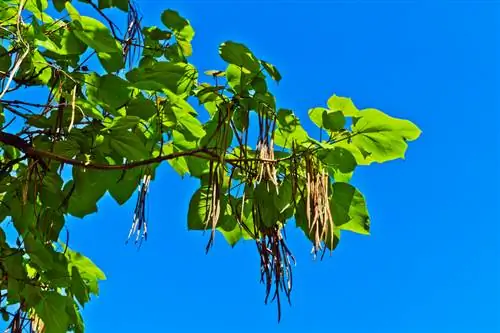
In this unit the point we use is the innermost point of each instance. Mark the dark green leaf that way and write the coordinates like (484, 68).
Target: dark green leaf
(141, 107)
(338, 158)
(125, 184)
(5, 60)
(78, 286)
(271, 70)
(121, 4)
(230, 229)
(329, 120)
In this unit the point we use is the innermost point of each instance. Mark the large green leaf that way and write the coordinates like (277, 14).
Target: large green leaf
(95, 34)
(239, 55)
(348, 209)
(381, 136)
(52, 311)
(176, 77)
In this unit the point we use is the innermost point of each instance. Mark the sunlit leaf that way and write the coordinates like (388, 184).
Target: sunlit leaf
(381, 136)
(95, 34)
(343, 104)
(239, 55)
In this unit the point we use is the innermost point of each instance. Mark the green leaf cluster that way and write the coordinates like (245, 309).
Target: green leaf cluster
(105, 129)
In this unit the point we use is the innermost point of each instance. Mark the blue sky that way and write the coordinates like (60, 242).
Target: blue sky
(432, 262)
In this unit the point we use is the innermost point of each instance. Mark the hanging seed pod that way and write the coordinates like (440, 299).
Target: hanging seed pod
(213, 203)
(139, 224)
(275, 265)
(319, 218)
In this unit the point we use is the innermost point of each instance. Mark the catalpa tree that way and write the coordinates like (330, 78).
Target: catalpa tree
(103, 106)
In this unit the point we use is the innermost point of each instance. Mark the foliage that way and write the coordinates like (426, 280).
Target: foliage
(115, 106)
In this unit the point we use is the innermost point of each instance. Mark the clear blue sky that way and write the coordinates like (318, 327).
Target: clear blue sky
(432, 262)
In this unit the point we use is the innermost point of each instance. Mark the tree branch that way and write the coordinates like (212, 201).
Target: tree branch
(29, 150)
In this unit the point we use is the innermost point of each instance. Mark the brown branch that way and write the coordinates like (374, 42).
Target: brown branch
(29, 150)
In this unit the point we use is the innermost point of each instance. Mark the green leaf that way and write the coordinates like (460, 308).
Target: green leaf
(89, 272)
(5, 60)
(95, 34)
(84, 190)
(179, 78)
(289, 130)
(52, 311)
(329, 120)
(343, 104)
(125, 184)
(230, 229)
(72, 11)
(179, 164)
(156, 33)
(381, 136)
(5, 314)
(348, 209)
(141, 107)
(239, 55)
(121, 4)
(38, 252)
(78, 287)
(337, 158)
(271, 70)
(122, 123)
(198, 209)
(181, 28)
(59, 4)
(112, 90)
(128, 145)
(111, 61)
(333, 121)
(237, 79)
